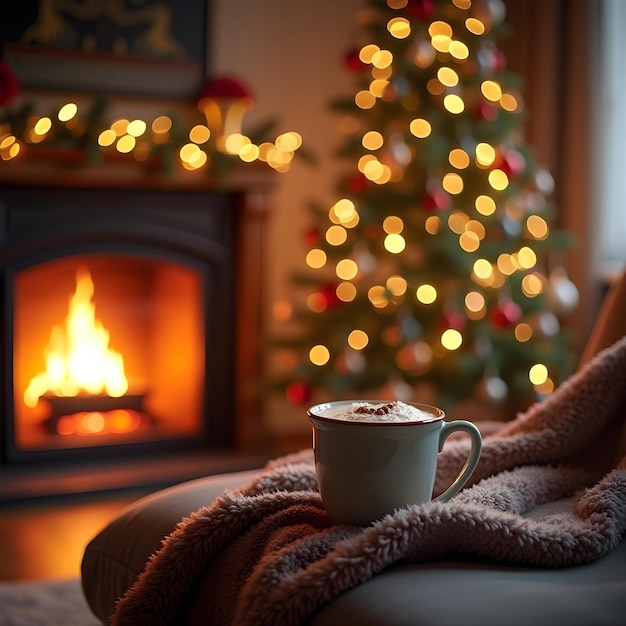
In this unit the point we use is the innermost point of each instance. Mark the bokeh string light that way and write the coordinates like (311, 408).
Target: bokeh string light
(140, 139)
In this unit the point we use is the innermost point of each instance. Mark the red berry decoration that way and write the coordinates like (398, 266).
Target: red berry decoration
(506, 314)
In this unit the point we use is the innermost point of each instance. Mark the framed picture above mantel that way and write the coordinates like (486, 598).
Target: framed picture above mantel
(151, 48)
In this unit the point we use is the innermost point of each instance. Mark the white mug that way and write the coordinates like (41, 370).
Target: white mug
(367, 469)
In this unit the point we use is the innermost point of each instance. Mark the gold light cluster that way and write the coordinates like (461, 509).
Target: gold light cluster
(343, 216)
(419, 354)
(416, 356)
(138, 137)
(446, 84)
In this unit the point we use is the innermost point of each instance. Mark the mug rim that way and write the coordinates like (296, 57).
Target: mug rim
(437, 413)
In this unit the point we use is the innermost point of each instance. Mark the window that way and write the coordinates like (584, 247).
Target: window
(610, 133)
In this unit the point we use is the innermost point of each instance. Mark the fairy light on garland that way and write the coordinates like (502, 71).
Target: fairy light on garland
(224, 102)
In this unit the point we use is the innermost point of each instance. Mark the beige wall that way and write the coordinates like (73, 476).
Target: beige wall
(290, 55)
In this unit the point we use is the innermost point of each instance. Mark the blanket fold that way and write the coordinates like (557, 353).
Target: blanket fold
(268, 553)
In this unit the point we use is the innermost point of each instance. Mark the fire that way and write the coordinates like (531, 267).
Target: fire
(78, 357)
(97, 423)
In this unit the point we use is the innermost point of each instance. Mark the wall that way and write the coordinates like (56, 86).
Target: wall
(290, 55)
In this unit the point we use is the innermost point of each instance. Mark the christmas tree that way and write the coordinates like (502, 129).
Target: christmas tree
(436, 276)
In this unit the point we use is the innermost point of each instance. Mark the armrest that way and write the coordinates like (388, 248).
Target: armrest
(610, 325)
(119, 552)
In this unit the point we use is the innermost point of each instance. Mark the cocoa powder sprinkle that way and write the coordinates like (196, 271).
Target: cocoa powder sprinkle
(383, 409)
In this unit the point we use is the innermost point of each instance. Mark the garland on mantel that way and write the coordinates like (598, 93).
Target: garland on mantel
(215, 146)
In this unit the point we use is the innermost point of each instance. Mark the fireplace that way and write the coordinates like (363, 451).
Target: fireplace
(126, 321)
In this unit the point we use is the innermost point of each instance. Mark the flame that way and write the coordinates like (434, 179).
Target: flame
(78, 357)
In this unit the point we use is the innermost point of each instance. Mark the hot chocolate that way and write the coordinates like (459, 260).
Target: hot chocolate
(372, 458)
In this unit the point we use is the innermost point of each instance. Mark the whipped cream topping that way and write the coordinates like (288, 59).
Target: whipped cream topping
(377, 412)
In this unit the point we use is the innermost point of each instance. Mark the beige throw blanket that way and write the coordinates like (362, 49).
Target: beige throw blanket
(268, 554)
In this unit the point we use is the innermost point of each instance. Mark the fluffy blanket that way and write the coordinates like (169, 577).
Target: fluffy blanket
(268, 553)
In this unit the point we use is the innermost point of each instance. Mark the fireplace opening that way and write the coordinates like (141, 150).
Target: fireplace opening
(108, 348)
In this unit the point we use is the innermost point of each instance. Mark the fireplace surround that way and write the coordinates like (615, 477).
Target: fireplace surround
(169, 273)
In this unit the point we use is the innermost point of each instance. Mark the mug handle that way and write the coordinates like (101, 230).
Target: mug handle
(472, 459)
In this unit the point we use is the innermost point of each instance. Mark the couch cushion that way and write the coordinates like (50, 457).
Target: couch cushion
(117, 555)
(451, 592)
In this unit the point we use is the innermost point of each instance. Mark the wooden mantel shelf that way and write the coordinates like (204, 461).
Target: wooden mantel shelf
(60, 167)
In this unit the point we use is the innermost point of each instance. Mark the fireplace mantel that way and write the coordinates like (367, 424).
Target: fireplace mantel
(250, 188)
(45, 166)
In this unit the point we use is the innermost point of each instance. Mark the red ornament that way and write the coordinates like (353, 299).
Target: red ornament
(499, 61)
(420, 9)
(9, 85)
(357, 183)
(353, 62)
(436, 200)
(486, 112)
(512, 163)
(312, 237)
(506, 314)
(453, 319)
(491, 60)
(330, 294)
(298, 393)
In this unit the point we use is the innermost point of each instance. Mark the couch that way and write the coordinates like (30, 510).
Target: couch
(451, 589)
